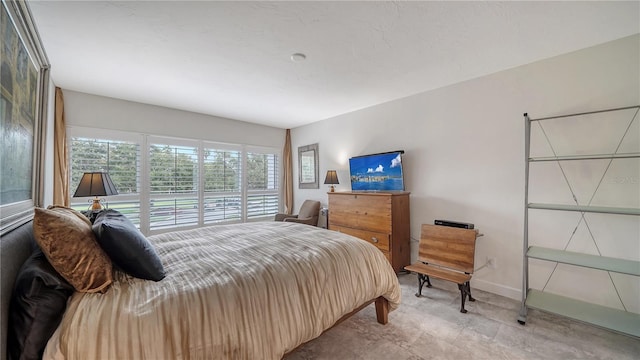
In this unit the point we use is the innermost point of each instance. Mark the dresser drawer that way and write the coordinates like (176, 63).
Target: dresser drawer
(361, 211)
(380, 240)
(360, 201)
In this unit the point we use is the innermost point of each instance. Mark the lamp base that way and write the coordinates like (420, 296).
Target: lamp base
(332, 189)
(96, 206)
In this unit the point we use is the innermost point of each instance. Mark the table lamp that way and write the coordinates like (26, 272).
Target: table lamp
(95, 184)
(331, 179)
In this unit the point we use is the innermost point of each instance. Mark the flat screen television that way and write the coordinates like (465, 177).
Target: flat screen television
(377, 172)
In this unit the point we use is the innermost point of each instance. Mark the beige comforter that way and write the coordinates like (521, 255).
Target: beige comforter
(244, 291)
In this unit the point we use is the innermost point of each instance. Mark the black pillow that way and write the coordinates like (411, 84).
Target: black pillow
(127, 247)
(38, 302)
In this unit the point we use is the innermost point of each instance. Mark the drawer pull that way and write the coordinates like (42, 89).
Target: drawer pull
(374, 239)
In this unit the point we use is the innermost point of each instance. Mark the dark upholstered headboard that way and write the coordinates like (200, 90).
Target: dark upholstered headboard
(15, 248)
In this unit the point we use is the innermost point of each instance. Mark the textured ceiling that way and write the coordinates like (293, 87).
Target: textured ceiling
(232, 59)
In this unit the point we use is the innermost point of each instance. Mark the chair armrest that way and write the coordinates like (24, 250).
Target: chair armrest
(283, 217)
(308, 221)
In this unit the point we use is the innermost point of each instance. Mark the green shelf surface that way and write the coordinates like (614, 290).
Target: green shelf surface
(614, 319)
(622, 266)
(581, 208)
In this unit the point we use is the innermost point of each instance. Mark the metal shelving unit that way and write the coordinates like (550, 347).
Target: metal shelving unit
(610, 318)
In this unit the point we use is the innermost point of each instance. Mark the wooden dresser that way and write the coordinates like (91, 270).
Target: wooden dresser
(381, 218)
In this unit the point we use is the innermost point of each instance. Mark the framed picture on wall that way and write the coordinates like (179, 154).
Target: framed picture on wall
(308, 167)
(23, 85)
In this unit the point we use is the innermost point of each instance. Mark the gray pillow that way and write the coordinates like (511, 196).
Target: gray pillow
(127, 247)
(38, 302)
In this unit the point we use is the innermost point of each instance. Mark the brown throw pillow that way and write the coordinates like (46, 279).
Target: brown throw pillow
(66, 239)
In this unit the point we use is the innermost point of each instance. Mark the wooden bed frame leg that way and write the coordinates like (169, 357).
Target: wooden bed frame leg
(382, 310)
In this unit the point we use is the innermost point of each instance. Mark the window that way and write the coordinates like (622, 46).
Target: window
(173, 189)
(222, 185)
(262, 184)
(164, 183)
(120, 159)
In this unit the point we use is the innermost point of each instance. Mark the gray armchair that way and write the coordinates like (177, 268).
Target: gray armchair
(308, 214)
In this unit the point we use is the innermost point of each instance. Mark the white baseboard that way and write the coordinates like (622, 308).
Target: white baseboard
(498, 289)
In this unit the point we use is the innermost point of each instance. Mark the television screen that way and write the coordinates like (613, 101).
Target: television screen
(377, 172)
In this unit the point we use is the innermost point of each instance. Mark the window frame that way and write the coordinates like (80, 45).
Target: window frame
(108, 135)
(227, 148)
(144, 196)
(277, 178)
(176, 196)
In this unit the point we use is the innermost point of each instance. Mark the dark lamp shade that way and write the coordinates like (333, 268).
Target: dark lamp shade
(331, 178)
(95, 184)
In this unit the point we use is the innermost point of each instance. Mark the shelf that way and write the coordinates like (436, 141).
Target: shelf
(593, 209)
(591, 261)
(582, 310)
(614, 319)
(585, 157)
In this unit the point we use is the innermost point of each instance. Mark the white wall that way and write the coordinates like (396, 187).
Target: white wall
(107, 113)
(464, 146)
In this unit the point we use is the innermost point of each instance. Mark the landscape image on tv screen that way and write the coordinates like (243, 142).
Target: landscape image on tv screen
(377, 172)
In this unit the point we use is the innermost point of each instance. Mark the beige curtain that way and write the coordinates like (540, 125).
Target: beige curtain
(288, 174)
(60, 165)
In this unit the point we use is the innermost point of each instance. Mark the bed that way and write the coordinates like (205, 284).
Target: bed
(242, 291)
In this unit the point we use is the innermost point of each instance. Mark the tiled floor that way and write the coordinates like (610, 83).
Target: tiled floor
(432, 327)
